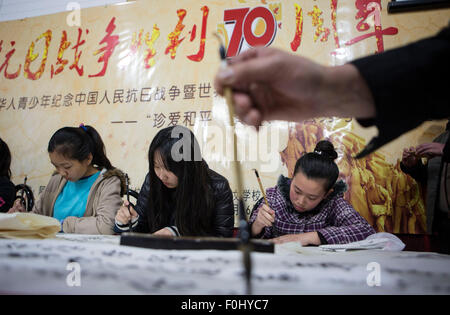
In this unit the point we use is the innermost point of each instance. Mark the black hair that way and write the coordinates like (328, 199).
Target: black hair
(320, 164)
(5, 160)
(77, 143)
(193, 197)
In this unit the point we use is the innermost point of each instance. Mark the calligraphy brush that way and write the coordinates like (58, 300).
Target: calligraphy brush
(261, 187)
(244, 232)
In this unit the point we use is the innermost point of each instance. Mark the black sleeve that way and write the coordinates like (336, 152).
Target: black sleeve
(418, 172)
(409, 85)
(224, 219)
(7, 194)
(446, 155)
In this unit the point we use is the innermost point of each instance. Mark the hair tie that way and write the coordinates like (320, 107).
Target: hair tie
(318, 152)
(82, 126)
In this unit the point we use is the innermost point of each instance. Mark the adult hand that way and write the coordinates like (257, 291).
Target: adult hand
(123, 215)
(265, 217)
(17, 207)
(272, 84)
(430, 150)
(409, 157)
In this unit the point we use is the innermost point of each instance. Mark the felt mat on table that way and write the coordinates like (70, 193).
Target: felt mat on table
(28, 225)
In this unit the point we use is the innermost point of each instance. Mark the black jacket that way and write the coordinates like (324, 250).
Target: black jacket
(7, 194)
(409, 85)
(430, 175)
(224, 209)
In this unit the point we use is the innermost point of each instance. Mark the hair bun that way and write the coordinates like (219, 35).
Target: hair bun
(325, 148)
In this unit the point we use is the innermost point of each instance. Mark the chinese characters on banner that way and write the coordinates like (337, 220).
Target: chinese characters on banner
(368, 12)
(106, 49)
(108, 44)
(244, 33)
(143, 95)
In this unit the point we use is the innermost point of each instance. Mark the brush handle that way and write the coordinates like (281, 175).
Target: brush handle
(262, 191)
(243, 224)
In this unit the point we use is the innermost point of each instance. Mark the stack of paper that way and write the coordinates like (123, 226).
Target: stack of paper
(28, 225)
(378, 243)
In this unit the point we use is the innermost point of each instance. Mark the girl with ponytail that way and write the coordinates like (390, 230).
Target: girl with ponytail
(310, 208)
(86, 191)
